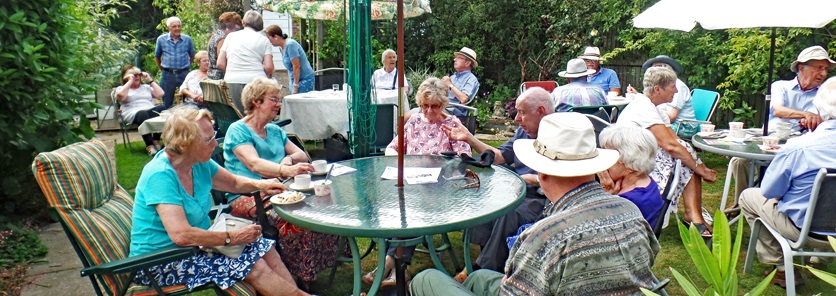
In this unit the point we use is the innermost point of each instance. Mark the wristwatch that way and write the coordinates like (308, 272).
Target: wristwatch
(228, 239)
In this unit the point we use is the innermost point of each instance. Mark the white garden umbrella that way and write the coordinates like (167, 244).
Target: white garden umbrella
(683, 15)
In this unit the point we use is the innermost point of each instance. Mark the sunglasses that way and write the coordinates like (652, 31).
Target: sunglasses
(433, 106)
(471, 180)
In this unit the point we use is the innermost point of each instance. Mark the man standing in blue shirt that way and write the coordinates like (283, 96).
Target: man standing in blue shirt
(463, 84)
(784, 196)
(174, 55)
(606, 78)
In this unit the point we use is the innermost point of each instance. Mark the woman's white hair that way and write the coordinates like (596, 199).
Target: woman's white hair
(386, 53)
(825, 100)
(171, 20)
(661, 76)
(636, 145)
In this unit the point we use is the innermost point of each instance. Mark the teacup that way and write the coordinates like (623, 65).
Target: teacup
(706, 128)
(322, 187)
(319, 166)
(302, 181)
(769, 141)
(612, 94)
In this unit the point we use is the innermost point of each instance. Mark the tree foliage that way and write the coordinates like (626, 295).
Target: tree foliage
(51, 53)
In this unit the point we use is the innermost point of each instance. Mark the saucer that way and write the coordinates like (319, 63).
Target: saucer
(322, 173)
(710, 135)
(299, 188)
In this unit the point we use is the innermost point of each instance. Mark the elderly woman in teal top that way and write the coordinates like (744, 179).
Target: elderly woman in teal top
(299, 70)
(172, 209)
(256, 148)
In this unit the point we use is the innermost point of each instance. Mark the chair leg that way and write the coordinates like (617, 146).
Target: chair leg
(753, 241)
(446, 240)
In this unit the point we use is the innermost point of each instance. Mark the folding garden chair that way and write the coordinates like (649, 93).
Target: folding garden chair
(548, 85)
(704, 102)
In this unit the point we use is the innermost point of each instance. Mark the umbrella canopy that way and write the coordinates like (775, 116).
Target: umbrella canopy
(332, 9)
(682, 15)
(729, 14)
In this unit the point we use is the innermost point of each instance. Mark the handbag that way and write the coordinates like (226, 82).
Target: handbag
(225, 223)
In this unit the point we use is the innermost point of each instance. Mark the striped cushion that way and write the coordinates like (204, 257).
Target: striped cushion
(239, 288)
(78, 183)
(217, 91)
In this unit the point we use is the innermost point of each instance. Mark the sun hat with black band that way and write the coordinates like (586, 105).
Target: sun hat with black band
(576, 68)
(665, 60)
(469, 54)
(565, 147)
(812, 53)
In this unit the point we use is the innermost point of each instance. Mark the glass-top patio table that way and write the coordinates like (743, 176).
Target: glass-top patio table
(362, 204)
(748, 150)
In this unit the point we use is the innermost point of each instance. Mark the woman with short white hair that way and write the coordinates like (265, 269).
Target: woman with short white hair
(245, 55)
(387, 77)
(825, 100)
(659, 88)
(629, 175)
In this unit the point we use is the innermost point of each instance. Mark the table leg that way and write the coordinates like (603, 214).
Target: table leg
(358, 270)
(466, 243)
(382, 247)
(434, 254)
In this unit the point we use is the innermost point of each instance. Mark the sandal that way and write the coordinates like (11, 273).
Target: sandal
(704, 232)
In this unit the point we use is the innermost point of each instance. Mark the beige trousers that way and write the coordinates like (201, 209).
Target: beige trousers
(755, 205)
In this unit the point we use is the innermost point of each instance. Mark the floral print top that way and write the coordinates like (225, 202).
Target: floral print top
(427, 138)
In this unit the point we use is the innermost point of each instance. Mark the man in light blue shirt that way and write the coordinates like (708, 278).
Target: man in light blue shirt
(792, 99)
(784, 196)
(463, 84)
(606, 78)
(174, 54)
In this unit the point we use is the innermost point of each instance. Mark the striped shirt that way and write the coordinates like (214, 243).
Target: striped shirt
(577, 93)
(589, 243)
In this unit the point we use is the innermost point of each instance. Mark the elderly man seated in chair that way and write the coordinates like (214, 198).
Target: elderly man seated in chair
(571, 251)
(577, 92)
(784, 196)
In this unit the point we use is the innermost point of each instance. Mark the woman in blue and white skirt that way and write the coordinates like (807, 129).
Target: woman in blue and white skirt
(172, 209)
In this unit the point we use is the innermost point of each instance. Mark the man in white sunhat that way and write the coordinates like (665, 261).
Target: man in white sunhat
(589, 241)
(463, 84)
(606, 78)
(578, 92)
(532, 105)
(792, 102)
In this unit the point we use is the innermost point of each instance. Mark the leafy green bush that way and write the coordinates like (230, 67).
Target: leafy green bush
(51, 53)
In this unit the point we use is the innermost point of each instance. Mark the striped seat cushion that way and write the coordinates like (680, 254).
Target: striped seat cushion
(218, 91)
(240, 288)
(78, 183)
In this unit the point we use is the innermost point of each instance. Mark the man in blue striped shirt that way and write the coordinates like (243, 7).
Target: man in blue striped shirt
(174, 55)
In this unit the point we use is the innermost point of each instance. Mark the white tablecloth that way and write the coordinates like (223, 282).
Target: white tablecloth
(320, 114)
(152, 125)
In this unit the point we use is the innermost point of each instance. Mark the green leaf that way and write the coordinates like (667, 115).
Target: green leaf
(686, 285)
(703, 260)
(648, 292)
(757, 290)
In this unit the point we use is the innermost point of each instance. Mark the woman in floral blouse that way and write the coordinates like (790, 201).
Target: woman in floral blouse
(423, 136)
(422, 132)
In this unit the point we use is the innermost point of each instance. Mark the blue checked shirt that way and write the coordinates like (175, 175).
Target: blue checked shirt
(466, 82)
(174, 55)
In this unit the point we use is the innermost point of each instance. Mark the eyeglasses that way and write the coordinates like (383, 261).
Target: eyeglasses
(209, 141)
(275, 100)
(816, 68)
(433, 106)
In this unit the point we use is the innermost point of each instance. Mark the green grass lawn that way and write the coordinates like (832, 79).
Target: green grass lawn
(672, 255)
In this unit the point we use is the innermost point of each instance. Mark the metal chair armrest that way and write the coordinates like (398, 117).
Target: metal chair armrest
(140, 262)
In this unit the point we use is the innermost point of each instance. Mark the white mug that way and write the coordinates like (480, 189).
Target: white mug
(770, 141)
(319, 166)
(706, 127)
(302, 181)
